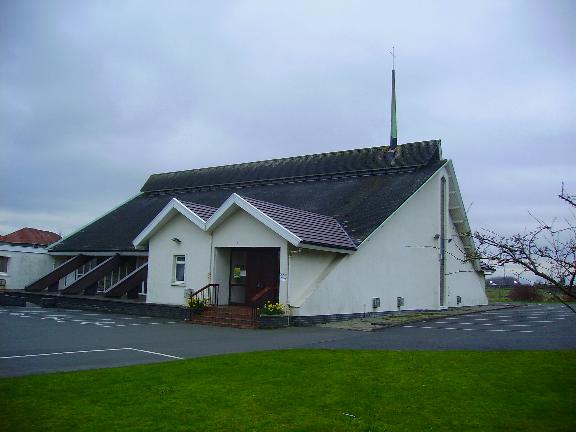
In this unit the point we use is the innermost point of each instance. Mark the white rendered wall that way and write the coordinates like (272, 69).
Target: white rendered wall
(399, 259)
(195, 246)
(26, 264)
(243, 230)
(461, 278)
(221, 272)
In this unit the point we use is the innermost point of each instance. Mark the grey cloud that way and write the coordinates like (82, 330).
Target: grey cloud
(95, 96)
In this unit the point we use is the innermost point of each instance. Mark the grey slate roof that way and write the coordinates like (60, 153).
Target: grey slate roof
(312, 228)
(357, 188)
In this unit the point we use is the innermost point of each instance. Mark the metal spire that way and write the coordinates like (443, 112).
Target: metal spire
(393, 124)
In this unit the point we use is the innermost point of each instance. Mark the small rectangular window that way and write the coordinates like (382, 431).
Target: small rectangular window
(3, 264)
(179, 268)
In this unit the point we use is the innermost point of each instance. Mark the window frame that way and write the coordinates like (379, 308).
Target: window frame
(4, 259)
(179, 260)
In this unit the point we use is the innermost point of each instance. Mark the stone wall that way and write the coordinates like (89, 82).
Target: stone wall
(103, 304)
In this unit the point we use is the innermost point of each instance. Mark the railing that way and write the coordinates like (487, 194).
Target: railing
(261, 294)
(208, 293)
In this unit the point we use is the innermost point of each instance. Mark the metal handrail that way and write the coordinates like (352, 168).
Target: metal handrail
(261, 293)
(205, 293)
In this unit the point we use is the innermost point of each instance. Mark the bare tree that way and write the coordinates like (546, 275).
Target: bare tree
(548, 251)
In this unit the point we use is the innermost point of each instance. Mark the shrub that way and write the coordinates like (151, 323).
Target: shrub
(272, 309)
(196, 304)
(525, 293)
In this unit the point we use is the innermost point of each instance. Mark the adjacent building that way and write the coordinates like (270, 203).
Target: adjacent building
(24, 257)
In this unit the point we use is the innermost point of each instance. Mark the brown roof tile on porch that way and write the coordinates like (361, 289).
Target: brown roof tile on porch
(203, 211)
(312, 228)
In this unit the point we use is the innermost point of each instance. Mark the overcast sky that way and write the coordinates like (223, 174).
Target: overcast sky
(97, 95)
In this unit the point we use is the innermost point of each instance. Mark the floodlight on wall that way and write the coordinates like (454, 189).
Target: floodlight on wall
(176, 240)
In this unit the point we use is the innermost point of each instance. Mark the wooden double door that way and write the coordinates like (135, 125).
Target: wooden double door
(252, 270)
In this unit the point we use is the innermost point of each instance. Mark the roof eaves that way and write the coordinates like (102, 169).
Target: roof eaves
(168, 212)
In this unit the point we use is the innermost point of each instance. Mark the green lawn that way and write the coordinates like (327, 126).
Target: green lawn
(306, 390)
(498, 294)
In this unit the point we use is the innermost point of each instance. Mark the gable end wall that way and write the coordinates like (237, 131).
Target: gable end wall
(399, 259)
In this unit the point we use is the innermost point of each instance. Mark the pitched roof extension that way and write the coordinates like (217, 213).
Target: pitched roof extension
(357, 188)
(31, 236)
(203, 211)
(299, 227)
(311, 228)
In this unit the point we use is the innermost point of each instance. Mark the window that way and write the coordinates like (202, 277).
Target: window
(179, 268)
(3, 264)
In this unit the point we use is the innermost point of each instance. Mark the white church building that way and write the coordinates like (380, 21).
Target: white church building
(329, 236)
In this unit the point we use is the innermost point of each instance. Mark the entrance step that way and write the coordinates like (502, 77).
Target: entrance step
(226, 316)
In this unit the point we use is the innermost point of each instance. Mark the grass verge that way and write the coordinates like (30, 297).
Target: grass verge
(306, 390)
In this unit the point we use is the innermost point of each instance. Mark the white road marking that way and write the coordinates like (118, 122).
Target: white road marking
(543, 321)
(481, 319)
(90, 351)
(427, 327)
(467, 329)
(449, 328)
(526, 331)
(156, 353)
(497, 330)
(408, 326)
(487, 324)
(135, 324)
(519, 325)
(451, 318)
(440, 322)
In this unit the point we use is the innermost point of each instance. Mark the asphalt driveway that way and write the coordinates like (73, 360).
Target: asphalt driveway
(37, 340)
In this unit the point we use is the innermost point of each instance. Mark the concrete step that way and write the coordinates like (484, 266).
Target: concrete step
(226, 316)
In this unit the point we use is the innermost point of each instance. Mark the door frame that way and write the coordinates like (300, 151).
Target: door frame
(249, 272)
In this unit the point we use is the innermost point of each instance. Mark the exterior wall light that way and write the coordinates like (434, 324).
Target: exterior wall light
(176, 240)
